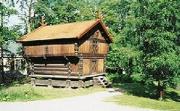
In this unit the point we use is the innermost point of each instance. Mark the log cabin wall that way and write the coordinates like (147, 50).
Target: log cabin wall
(62, 57)
(52, 61)
(56, 66)
(69, 47)
(50, 50)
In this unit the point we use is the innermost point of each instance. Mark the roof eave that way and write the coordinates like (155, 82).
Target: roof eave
(106, 31)
(22, 41)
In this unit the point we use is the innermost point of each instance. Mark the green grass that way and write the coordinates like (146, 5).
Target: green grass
(137, 95)
(29, 93)
(146, 103)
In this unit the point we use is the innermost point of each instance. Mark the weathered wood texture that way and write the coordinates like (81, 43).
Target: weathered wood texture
(93, 66)
(95, 44)
(59, 67)
(79, 58)
(61, 83)
(50, 50)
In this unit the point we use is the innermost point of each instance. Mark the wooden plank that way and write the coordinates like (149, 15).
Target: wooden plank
(64, 76)
(100, 65)
(103, 48)
(85, 47)
(86, 66)
(49, 50)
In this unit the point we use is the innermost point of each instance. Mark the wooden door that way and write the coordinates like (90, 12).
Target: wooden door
(93, 66)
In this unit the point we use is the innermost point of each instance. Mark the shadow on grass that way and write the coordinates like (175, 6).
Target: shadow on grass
(11, 78)
(173, 96)
(141, 90)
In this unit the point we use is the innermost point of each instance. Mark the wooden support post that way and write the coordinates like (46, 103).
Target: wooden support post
(68, 84)
(50, 83)
(33, 82)
(80, 65)
(81, 84)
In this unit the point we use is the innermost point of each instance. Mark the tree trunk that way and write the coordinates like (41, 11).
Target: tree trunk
(160, 91)
(28, 26)
(2, 64)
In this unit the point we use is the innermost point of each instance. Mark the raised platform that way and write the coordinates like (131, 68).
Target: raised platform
(64, 81)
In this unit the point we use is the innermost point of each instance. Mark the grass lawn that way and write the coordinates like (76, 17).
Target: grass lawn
(134, 99)
(28, 93)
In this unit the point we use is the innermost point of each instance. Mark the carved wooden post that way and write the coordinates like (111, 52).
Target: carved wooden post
(80, 65)
(76, 49)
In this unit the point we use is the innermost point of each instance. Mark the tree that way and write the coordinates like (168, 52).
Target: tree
(115, 13)
(152, 27)
(5, 12)
(6, 33)
(27, 13)
(63, 11)
(126, 61)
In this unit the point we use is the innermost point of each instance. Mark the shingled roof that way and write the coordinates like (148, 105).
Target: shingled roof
(63, 31)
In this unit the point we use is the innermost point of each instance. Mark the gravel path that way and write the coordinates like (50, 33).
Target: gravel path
(91, 102)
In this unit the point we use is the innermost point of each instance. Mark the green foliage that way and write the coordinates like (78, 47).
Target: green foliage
(164, 67)
(63, 11)
(115, 13)
(7, 33)
(126, 62)
(150, 27)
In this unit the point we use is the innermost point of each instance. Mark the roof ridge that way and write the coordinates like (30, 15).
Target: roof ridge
(62, 31)
(71, 22)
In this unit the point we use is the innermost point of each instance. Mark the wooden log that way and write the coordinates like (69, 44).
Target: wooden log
(66, 76)
(42, 82)
(51, 72)
(50, 69)
(49, 65)
(59, 83)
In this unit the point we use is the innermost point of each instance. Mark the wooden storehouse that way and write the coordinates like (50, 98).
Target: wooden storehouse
(67, 55)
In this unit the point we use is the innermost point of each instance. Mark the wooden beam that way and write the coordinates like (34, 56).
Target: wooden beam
(65, 77)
